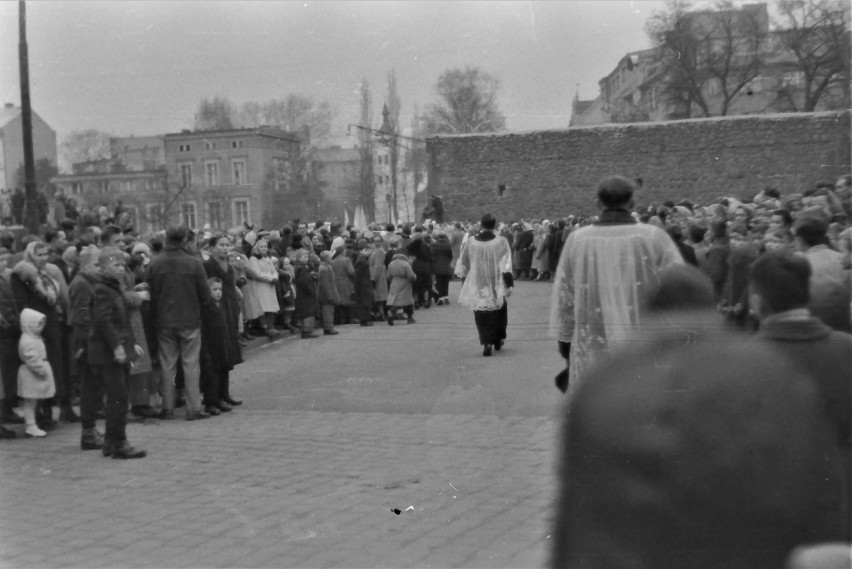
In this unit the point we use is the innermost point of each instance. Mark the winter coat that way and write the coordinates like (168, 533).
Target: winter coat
(229, 305)
(261, 286)
(178, 289)
(401, 275)
(327, 291)
(344, 271)
(215, 337)
(110, 324)
(306, 293)
(522, 258)
(362, 283)
(442, 256)
(35, 376)
(82, 295)
(379, 275)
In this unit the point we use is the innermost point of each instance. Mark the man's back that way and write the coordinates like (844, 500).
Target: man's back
(178, 289)
(604, 272)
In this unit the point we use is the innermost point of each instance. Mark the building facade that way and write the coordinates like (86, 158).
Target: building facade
(12, 143)
(638, 88)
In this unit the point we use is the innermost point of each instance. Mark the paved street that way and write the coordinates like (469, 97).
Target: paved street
(334, 435)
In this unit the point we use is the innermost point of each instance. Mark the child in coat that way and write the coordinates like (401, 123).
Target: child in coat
(215, 363)
(35, 376)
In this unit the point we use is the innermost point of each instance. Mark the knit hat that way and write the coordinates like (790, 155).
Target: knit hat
(250, 238)
(141, 248)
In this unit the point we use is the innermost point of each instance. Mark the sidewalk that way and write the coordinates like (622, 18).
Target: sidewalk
(286, 489)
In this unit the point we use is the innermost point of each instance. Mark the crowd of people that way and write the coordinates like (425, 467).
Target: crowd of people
(709, 381)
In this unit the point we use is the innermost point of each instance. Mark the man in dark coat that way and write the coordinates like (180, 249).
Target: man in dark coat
(779, 284)
(422, 265)
(306, 294)
(112, 348)
(81, 295)
(363, 284)
(178, 291)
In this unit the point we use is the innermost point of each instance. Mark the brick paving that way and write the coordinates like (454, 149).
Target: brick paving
(286, 489)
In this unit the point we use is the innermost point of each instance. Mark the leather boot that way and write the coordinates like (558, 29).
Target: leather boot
(91, 439)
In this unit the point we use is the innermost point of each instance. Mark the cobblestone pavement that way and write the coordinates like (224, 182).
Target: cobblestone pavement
(308, 472)
(294, 489)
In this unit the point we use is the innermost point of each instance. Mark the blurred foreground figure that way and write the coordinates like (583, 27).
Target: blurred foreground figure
(695, 450)
(779, 282)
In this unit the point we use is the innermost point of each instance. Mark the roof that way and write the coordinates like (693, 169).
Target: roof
(338, 154)
(261, 131)
(7, 114)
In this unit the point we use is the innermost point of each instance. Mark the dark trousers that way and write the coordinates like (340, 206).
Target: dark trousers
(342, 314)
(491, 324)
(91, 393)
(211, 383)
(422, 287)
(112, 379)
(442, 285)
(9, 363)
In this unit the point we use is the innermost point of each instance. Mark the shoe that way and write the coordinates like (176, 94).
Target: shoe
(180, 402)
(34, 432)
(272, 333)
(439, 302)
(367, 323)
(212, 411)
(390, 320)
(134, 417)
(330, 332)
(46, 424)
(428, 304)
(243, 342)
(446, 300)
(224, 407)
(307, 336)
(411, 320)
(196, 416)
(11, 418)
(232, 402)
(290, 327)
(498, 345)
(486, 351)
(166, 415)
(148, 411)
(7, 433)
(123, 450)
(91, 439)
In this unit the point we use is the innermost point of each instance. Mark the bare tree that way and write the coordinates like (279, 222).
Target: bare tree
(467, 103)
(84, 146)
(723, 46)
(215, 114)
(816, 32)
(394, 106)
(367, 189)
(291, 113)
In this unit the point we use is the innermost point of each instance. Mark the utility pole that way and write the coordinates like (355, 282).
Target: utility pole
(31, 204)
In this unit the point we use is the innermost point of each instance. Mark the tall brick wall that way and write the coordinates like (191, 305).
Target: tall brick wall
(555, 173)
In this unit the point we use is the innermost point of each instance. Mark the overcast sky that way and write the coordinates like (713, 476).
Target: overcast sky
(141, 67)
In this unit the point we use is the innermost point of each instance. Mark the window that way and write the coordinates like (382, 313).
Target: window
(387, 159)
(212, 172)
(239, 169)
(187, 215)
(237, 144)
(77, 188)
(214, 215)
(279, 173)
(155, 216)
(184, 148)
(104, 187)
(186, 175)
(210, 146)
(241, 212)
(126, 186)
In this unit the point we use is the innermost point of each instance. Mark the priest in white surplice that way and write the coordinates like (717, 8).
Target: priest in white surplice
(486, 265)
(604, 272)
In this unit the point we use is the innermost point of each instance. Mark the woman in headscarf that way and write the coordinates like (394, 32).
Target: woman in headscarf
(379, 277)
(262, 275)
(36, 288)
(442, 256)
(344, 272)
